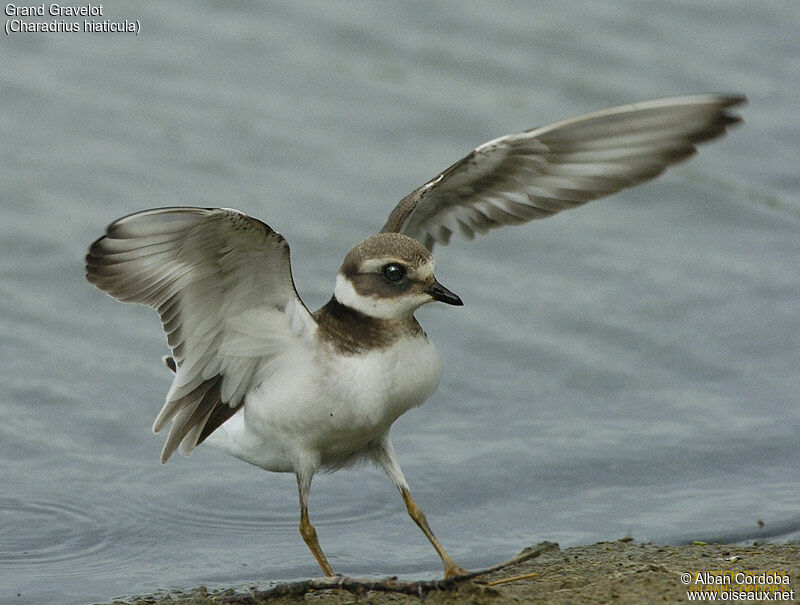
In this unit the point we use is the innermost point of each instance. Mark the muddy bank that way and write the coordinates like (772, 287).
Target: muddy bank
(618, 572)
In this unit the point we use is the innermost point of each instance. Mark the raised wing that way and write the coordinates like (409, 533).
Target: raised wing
(536, 173)
(213, 275)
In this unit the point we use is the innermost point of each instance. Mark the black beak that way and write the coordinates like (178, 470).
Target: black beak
(442, 294)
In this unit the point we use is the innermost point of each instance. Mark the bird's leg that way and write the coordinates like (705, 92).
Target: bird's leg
(384, 456)
(307, 530)
(415, 512)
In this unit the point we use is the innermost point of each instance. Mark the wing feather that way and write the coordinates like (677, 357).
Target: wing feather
(539, 172)
(207, 271)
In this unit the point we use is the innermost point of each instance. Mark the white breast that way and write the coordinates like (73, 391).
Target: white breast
(386, 383)
(325, 408)
(369, 392)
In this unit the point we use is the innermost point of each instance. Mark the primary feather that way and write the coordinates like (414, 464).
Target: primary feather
(539, 172)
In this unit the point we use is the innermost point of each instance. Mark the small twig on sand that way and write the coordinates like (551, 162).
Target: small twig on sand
(524, 576)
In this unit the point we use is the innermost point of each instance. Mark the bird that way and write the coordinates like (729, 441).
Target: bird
(272, 383)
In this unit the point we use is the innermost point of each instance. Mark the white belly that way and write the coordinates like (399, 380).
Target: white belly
(323, 410)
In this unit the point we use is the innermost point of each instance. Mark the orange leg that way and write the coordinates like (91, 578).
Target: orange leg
(384, 456)
(415, 512)
(307, 530)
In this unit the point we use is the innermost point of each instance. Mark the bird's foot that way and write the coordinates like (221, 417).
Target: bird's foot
(451, 570)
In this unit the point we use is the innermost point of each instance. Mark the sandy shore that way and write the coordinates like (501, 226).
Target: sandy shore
(608, 572)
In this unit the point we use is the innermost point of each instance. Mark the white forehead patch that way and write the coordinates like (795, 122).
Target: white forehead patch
(425, 270)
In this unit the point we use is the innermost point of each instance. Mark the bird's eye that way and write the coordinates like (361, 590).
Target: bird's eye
(394, 272)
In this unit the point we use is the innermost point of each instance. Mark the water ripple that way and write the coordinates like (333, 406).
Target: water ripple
(41, 532)
(247, 501)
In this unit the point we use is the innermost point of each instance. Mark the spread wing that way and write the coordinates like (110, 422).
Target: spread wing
(536, 173)
(222, 284)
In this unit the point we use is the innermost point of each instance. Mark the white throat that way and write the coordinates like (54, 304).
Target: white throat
(398, 307)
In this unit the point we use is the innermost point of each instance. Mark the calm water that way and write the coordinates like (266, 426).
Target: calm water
(628, 368)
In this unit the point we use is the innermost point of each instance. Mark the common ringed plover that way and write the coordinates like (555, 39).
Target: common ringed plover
(291, 390)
